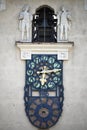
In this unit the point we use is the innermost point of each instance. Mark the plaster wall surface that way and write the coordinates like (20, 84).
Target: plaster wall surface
(12, 69)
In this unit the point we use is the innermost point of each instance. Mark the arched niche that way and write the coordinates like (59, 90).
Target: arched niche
(44, 25)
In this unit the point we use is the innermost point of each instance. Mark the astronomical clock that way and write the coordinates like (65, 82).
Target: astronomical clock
(44, 76)
(44, 51)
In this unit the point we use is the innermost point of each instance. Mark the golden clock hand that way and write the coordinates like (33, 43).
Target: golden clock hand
(48, 71)
(44, 72)
(43, 79)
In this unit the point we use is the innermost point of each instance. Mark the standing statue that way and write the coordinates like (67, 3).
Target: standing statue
(25, 24)
(63, 25)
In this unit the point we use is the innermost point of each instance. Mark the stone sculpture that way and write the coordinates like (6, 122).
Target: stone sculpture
(63, 24)
(25, 24)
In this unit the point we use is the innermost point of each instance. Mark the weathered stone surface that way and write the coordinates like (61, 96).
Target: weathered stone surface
(12, 69)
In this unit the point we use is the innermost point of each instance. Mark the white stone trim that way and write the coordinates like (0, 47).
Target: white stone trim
(61, 49)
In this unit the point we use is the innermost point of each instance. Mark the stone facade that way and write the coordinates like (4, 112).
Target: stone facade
(12, 69)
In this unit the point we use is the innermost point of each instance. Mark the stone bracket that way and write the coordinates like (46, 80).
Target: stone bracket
(61, 49)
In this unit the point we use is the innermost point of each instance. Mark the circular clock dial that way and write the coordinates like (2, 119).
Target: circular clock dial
(44, 71)
(44, 112)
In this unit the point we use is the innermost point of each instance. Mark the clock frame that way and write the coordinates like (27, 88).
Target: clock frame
(45, 108)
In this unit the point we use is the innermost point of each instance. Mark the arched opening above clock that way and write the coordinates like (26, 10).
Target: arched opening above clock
(44, 25)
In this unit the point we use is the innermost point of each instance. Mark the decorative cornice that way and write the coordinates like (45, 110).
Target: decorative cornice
(61, 49)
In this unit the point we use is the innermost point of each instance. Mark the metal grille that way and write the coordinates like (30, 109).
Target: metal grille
(44, 25)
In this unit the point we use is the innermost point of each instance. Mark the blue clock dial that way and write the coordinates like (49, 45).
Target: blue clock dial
(56, 65)
(44, 72)
(37, 84)
(51, 60)
(31, 79)
(44, 90)
(30, 72)
(51, 84)
(32, 65)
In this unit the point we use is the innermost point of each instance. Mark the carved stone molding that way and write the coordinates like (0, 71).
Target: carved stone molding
(61, 49)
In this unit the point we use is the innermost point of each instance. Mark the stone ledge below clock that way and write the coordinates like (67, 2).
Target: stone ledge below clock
(61, 49)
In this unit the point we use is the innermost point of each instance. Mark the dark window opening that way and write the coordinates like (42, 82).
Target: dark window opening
(44, 25)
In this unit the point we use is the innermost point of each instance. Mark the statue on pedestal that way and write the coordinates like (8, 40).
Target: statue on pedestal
(25, 24)
(63, 25)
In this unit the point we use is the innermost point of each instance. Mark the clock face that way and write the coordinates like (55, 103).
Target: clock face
(44, 72)
(44, 90)
(44, 112)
